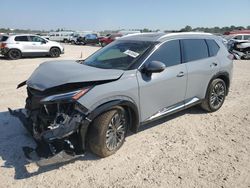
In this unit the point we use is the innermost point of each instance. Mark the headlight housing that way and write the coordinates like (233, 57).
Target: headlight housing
(66, 97)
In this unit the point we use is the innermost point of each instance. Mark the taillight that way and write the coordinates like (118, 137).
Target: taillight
(3, 45)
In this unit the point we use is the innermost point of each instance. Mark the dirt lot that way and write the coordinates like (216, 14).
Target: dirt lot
(188, 149)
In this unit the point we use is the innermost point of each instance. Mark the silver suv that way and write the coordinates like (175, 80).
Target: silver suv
(132, 81)
(17, 46)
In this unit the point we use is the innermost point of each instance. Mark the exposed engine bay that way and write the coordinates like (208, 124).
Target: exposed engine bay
(54, 121)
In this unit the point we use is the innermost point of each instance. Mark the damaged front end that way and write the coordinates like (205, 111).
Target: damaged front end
(57, 122)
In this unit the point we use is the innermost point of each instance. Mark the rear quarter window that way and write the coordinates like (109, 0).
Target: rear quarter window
(3, 38)
(212, 47)
(21, 38)
(194, 49)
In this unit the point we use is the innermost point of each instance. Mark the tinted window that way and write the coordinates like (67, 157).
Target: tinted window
(246, 37)
(37, 39)
(194, 49)
(212, 47)
(168, 53)
(239, 37)
(3, 38)
(21, 38)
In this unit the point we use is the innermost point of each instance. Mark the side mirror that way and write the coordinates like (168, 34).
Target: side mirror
(154, 67)
(44, 42)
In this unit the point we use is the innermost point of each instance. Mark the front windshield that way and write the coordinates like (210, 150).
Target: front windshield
(118, 55)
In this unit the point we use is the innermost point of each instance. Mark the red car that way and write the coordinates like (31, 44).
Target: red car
(108, 39)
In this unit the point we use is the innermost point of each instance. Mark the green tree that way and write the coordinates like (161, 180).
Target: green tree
(186, 29)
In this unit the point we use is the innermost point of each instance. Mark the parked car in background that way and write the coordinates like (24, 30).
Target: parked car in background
(61, 36)
(17, 46)
(135, 80)
(237, 38)
(108, 39)
(240, 49)
(75, 35)
(88, 39)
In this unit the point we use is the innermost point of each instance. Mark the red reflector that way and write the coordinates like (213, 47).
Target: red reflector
(81, 93)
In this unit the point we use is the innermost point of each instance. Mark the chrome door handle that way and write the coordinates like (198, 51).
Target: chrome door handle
(181, 74)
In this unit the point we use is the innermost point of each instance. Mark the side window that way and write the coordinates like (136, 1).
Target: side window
(36, 39)
(57, 35)
(246, 37)
(212, 47)
(238, 37)
(21, 38)
(194, 49)
(168, 53)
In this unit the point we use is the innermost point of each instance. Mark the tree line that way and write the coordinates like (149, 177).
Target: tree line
(219, 30)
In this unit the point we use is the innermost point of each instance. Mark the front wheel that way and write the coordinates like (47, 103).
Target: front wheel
(215, 96)
(108, 131)
(55, 52)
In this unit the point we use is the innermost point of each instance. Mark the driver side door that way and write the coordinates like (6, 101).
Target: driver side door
(164, 91)
(38, 44)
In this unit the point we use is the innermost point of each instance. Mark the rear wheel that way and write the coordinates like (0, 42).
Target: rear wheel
(55, 52)
(14, 54)
(247, 52)
(108, 131)
(215, 96)
(103, 44)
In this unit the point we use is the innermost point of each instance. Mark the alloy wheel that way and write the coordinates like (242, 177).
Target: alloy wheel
(116, 131)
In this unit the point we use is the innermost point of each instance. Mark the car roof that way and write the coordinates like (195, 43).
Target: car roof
(161, 37)
(15, 35)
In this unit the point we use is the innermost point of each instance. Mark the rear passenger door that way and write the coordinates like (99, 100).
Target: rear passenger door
(23, 43)
(200, 57)
(161, 92)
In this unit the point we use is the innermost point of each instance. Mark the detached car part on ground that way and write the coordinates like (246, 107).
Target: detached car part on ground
(132, 81)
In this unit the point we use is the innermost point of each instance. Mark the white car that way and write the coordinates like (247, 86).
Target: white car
(61, 36)
(17, 46)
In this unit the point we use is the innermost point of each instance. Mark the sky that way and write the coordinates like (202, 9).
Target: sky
(122, 14)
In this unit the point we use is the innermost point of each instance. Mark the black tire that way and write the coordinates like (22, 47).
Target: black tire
(215, 96)
(72, 42)
(247, 52)
(14, 54)
(65, 40)
(103, 44)
(54, 52)
(101, 139)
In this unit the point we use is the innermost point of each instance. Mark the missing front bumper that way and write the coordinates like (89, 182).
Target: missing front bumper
(54, 146)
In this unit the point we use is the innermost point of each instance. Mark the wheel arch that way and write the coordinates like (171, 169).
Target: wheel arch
(129, 106)
(224, 76)
(56, 47)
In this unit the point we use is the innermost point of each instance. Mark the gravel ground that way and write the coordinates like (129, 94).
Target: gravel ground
(188, 149)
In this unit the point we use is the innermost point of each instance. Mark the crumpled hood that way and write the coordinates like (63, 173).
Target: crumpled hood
(56, 73)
